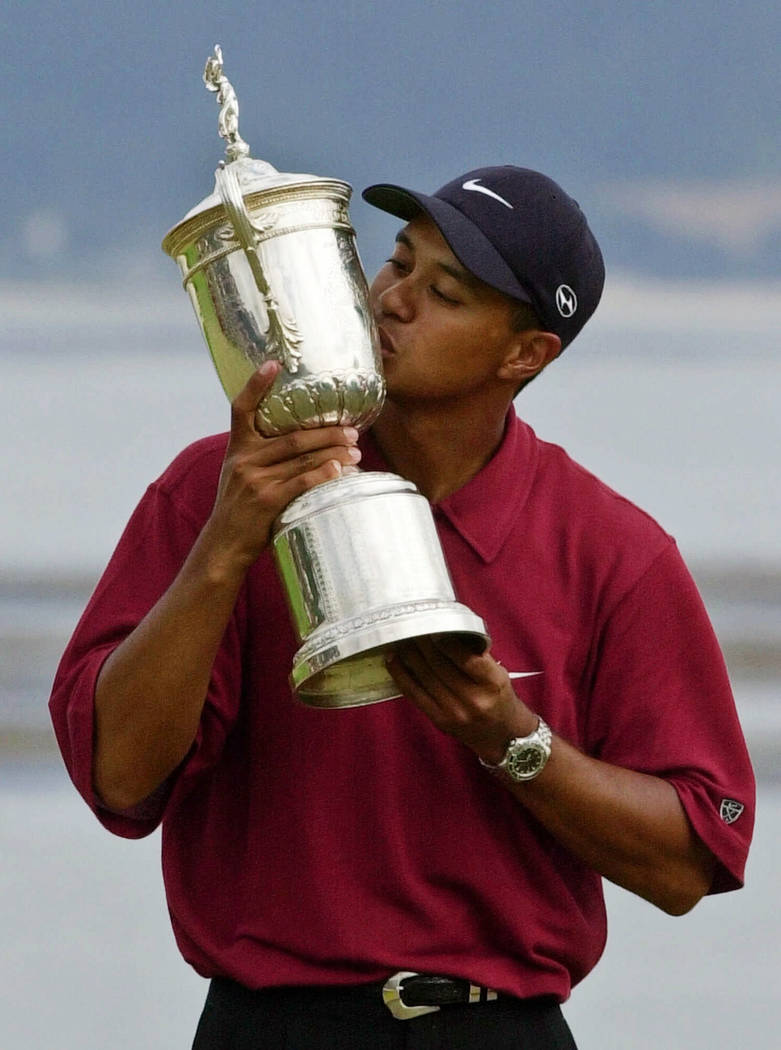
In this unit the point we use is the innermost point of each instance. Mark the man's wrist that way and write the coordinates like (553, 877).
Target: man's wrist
(523, 724)
(219, 564)
(524, 757)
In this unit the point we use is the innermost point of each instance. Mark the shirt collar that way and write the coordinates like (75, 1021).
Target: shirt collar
(485, 509)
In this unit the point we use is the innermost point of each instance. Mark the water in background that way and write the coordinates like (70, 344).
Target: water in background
(670, 395)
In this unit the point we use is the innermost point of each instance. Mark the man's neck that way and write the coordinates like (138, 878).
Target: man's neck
(438, 452)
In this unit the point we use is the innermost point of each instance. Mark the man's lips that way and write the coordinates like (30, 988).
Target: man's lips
(386, 343)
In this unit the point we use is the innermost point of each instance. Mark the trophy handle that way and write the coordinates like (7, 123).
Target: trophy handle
(283, 340)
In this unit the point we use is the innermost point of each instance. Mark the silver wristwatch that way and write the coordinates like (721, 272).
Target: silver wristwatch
(525, 756)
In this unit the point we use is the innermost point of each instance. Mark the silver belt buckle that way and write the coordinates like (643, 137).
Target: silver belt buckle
(391, 996)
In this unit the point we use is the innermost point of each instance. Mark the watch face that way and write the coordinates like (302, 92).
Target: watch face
(525, 761)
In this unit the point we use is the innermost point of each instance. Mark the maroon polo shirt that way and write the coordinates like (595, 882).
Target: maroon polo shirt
(307, 846)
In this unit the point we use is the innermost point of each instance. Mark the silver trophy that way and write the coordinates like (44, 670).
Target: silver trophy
(270, 263)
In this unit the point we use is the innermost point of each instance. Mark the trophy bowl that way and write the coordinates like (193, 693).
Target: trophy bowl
(301, 242)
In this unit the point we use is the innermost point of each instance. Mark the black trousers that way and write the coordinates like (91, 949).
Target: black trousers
(237, 1018)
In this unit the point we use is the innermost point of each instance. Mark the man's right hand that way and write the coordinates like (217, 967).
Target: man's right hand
(151, 689)
(261, 475)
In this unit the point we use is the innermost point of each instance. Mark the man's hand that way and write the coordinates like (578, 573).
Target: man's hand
(261, 475)
(465, 694)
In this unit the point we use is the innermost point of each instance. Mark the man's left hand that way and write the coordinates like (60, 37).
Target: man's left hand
(466, 694)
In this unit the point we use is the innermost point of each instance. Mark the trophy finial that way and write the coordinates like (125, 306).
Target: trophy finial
(228, 123)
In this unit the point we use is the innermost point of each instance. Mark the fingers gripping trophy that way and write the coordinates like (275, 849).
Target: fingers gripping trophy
(271, 266)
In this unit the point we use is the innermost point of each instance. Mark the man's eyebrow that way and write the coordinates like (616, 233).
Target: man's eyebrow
(463, 276)
(457, 272)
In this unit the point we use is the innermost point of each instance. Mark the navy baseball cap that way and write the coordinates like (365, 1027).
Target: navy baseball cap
(517, 231)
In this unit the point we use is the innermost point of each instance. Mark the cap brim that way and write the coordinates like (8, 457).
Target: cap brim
(467, 241)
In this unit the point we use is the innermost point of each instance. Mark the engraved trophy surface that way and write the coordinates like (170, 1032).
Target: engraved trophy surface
(271, 266)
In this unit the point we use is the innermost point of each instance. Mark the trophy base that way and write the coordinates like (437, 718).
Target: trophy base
(363, 570)
(351, 671)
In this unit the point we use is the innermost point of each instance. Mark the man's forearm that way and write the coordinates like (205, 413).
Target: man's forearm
(151, 690)
(628, 826)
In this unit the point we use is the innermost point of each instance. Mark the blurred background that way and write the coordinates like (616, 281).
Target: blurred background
(662, 120)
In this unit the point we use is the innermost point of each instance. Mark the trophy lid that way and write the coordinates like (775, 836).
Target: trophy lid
(254, 176)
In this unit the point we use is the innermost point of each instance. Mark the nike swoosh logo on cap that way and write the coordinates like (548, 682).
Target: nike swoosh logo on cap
(522, 674)
(472, 184)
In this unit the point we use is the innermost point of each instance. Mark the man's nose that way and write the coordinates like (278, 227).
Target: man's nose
(398, 300)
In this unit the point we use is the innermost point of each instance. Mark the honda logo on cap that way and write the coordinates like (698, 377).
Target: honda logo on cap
(566, 300)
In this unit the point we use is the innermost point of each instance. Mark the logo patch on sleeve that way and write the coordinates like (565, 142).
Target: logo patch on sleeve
(730, 810)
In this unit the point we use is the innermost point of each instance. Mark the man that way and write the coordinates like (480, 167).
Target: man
(458, 835)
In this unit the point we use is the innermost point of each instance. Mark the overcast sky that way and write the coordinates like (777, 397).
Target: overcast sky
(661, 119)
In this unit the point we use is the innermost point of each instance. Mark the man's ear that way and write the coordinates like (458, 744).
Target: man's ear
(530, 352)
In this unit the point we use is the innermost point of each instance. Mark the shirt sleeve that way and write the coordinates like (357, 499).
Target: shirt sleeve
(150, 553)
(661, 703)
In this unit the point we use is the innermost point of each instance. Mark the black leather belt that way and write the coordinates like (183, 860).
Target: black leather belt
(408, 994)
